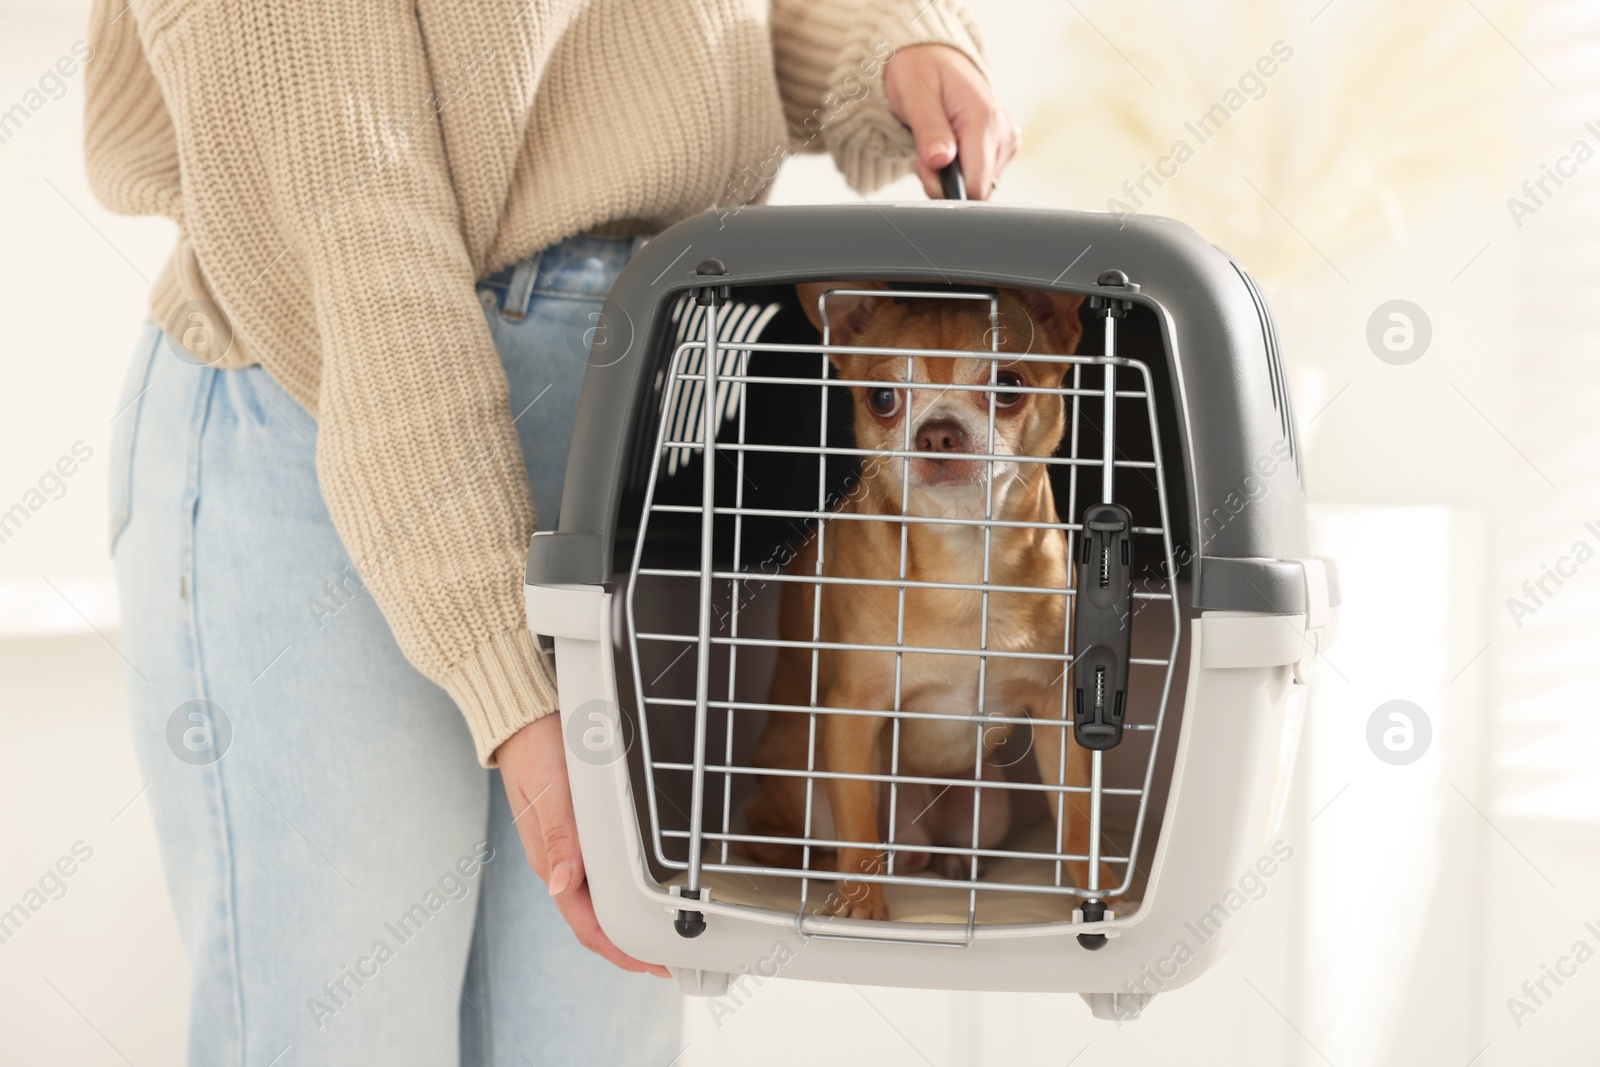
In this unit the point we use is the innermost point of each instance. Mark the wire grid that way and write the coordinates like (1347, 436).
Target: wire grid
(713, 365)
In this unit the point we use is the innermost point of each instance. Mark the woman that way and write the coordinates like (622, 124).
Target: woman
(331, 451)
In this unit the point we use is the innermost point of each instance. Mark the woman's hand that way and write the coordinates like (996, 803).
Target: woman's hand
(534, 768)
(936, 91)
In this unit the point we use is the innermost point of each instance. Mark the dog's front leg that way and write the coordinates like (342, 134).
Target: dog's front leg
(850, 746)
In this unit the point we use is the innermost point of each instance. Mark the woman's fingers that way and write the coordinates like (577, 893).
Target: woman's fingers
(923, 111)
(979, 151)
(558, 826)
(577, 907)
(516, 759)
(557, 835)
(984, 129)
(948, 106)
(534, 768)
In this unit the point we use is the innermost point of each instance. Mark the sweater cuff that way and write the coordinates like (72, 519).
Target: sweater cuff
(874, 147)
(901, 24)
(506, 684)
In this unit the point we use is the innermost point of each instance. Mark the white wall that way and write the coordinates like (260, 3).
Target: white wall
(73, 279)
(72, 290)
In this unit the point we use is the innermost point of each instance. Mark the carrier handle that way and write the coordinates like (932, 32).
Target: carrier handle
(951, 181)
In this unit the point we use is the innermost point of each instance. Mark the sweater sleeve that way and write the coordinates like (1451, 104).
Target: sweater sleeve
(830, 56)
(315, 183)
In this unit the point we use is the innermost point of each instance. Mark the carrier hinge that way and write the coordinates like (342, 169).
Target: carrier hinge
(1116, 307)
(714, 295)
(1092, 911)
(689, 923)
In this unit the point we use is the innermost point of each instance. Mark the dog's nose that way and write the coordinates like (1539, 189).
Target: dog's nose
(941, 435)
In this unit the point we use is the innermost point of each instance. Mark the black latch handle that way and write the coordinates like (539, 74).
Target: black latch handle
(1102, 633)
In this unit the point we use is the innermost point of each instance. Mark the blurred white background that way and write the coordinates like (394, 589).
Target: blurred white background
(1375, 164)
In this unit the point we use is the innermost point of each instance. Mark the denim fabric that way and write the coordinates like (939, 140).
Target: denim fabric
(347, 880)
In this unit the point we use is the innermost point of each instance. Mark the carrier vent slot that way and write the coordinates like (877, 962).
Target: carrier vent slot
(737, 322)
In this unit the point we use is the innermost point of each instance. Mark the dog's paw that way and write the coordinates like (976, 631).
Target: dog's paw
(858, 900)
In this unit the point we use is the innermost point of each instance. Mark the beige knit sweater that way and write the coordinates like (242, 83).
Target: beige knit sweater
(341, 171)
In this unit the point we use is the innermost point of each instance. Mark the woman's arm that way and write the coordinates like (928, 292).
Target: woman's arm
(314, 184)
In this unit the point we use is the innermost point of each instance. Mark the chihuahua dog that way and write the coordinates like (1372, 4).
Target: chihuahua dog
(941, 426)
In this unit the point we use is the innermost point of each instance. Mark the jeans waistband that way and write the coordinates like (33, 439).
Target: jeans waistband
(582, 266)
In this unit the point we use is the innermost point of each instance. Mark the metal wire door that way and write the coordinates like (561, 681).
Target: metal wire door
(709, 366)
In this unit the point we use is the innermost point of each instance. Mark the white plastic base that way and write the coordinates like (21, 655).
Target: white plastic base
(1216, 832)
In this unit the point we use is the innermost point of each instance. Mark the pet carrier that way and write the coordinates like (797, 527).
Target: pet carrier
(713, 460)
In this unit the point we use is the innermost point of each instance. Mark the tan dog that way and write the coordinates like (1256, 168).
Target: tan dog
(945, 424)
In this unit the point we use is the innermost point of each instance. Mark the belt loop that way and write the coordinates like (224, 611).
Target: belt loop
(519, 292)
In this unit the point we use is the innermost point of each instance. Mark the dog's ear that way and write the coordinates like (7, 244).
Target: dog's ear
(846, 314)
(1055, 314)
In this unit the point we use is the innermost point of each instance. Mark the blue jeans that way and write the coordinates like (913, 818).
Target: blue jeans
(347, 880)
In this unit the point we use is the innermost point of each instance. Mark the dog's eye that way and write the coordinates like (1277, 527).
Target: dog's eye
(1008, 400)
(883, 402)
